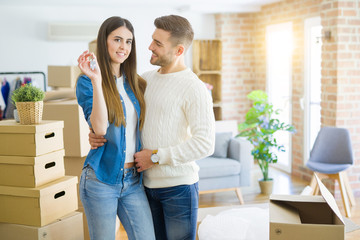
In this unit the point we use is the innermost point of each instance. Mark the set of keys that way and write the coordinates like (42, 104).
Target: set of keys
(92, 64)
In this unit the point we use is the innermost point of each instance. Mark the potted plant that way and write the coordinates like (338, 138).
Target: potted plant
(259, 128)
(29, 103)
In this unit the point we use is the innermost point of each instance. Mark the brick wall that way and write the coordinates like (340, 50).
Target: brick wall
(238, 78)
(244, 67)
(341, 74)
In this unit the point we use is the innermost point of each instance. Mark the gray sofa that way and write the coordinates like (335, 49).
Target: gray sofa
(229, 168)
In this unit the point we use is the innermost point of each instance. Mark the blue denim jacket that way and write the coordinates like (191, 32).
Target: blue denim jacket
(107, 161)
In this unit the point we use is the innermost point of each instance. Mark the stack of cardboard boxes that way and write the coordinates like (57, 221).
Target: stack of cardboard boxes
(37, 200)
(60, 105)
(63, 106)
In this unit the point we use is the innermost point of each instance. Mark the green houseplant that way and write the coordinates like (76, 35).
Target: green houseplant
(259, 128)
(29, 103)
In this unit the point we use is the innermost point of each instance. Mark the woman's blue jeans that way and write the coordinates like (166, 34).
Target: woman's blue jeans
(174, 211)
(102, 202)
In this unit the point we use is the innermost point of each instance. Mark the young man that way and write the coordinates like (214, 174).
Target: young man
(178, 129)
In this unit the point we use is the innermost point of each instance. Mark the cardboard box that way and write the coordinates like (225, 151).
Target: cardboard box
(60, 94)
(63, 76)
(31, 171)
(73, 167)
(38, 206)
(86, 227)
(76, 129)
(30, 140)
(298, 217)
(69, 227)
(92, 46)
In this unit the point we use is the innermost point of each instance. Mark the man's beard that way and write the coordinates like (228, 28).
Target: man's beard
(162, 61)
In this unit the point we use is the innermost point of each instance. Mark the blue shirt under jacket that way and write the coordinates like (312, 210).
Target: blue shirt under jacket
(107, 161)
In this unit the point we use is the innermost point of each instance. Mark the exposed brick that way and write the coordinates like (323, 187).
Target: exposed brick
(349, 4)
(244, 66)
(333, 13)
(346, 64)
(355, 22)
(326, 6)
(349, 13)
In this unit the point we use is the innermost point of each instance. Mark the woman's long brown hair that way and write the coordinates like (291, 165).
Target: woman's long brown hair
(137, 84)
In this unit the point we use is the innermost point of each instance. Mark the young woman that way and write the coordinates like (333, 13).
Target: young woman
(111, 95)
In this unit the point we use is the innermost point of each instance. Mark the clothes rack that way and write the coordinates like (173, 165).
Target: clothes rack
(38, 78)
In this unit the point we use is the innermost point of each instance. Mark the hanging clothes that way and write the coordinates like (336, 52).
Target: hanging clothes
(11, 106)
(2, 104)
(5, 89)
(27, 80)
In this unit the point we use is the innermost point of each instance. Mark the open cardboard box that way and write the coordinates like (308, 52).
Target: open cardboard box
(298, 217)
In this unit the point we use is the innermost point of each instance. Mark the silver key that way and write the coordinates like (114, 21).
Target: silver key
(92, 64)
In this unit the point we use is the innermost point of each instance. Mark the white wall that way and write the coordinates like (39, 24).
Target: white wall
(24, 45)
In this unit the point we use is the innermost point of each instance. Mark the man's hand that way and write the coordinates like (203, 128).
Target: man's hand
(143, 160)
(96, 140)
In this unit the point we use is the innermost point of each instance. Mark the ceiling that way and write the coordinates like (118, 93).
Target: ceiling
(201, 6)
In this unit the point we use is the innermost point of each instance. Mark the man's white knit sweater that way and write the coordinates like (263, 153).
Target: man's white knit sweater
(179, 123)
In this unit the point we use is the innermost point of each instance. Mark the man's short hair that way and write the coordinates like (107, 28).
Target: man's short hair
(179, 27)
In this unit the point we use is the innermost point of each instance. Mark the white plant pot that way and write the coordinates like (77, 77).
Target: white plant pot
(16, 115)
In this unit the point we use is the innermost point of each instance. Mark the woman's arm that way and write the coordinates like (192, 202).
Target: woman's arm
(99, 115)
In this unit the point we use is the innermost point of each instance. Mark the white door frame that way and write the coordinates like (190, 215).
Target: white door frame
(305, 101)
(269, 29)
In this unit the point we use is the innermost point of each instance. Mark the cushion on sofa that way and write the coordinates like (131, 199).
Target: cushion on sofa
(222, 140)
(218, 167)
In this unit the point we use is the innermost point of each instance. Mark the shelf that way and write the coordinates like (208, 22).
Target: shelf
(207, 55)
(217, 104)
(215, 81)
(209, 72)
(218, 113)
(207, 64)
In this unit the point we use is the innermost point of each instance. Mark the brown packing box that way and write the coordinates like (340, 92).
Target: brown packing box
(69, 227)
(63, 76)
(92, 46)
(73, 167)
(38, 206)
(30, 140)
(298, 217)
(76, 129)
(85, 228)
(60, 94)
(23, 171)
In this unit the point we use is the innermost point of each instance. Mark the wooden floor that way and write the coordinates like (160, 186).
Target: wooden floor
(283, 184)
